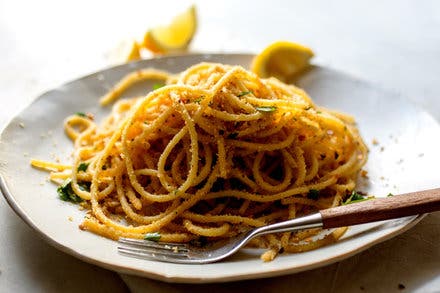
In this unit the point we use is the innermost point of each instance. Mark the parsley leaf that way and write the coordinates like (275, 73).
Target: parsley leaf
(65, 192)
(244, 94)
(83, 167)
(152, 236)
(81, 114)
(355, 197)
(233, 135)
(313, 194)
(390, 194)
(266, 109)
(157, 86)
(197, 101)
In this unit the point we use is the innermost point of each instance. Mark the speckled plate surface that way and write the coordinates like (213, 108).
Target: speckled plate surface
(404, 159)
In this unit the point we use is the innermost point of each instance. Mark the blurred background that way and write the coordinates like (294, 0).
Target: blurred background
(394, 44)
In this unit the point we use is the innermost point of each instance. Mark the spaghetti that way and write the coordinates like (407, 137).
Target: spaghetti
(212, 153)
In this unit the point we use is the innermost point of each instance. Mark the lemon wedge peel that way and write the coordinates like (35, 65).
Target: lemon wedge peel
(174, 37)
(283, 60)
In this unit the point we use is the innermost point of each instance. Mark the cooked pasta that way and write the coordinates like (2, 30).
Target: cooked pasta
(214, 152)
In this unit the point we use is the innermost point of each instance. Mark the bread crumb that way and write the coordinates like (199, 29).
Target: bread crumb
(21, 124)
(382, 149)
(269, 255)
(375, 142)
(364, 173)
(70, 219)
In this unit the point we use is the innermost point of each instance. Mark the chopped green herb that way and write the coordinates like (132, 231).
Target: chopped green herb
(158, 86)
(198, 100)
(65, 192)
(355, 197)
(152, 236)
(81, 114)
(390, 194)
(83, 167)
(266, 109)
(308, 108)
(244, 94)
(313, 194)
(233, 135)
(318, 112)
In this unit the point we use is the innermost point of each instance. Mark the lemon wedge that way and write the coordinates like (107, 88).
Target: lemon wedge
(174, 37)
(127, 50)
(282, 60)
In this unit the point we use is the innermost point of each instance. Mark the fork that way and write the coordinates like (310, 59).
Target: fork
(346, 215)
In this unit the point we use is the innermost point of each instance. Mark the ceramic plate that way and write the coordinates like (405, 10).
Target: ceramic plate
(404, 159)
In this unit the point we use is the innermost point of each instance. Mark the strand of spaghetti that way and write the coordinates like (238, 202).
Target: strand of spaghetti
(314, 168)
(92, 225)
(266, 186)
(166, 218)
(49, 166)
(222, 218)
(301, 167)
(175, 168)
(204, 172)
(306, 201)
(134, 216)
(78, 121)
(262, 146)
(273, 130)
(128, 80)
(203, 231)
(272, 197)
(233, 117)
(163, 177)
(236, 173)
(136, 202)
(330, 238)
(221, 156)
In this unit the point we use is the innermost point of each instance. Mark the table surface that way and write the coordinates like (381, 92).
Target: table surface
(394, 44)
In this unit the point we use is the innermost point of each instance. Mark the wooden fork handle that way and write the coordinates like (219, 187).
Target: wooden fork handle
(379, 209)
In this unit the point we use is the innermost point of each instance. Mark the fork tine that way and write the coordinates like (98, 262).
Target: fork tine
(174, 247)
(152, 253)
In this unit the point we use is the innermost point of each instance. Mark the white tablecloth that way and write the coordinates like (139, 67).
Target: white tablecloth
(395, 44)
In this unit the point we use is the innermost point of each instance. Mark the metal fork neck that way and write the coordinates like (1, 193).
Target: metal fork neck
(306, 222)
